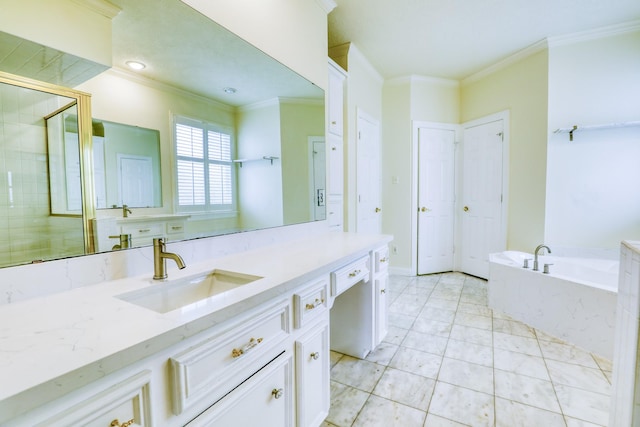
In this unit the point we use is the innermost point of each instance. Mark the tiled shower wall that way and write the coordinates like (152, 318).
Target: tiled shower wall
(27, 231)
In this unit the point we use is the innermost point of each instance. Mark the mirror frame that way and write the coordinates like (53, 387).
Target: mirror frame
(85, 132)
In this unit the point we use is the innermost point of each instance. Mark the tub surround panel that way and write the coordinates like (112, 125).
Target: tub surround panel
(577, 313)
(86, 333)
(625, 395)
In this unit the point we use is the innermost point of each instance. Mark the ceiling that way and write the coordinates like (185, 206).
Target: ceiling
(457, 38)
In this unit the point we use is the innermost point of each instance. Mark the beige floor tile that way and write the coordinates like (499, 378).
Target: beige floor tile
(405, 388)
(401, 320)
(567, 353)
(382, 354)
(527, 390)
(520, 363)
(334, 357)
(417, 362)
(584, 405)
(474, 353)
(471, 335)
(480, 310)
(604, 363)
(469, 375)
(360, 374)
(380, 412)
(473, 299)
(578, 376)
(432, 327)
(447, 304)
(573, 422)
(513, 327)
(439, 314)
(436, 421)
(517, 344)
(425, 342)
(409, 308)
(395, 335)
(514, 414)
(473, 320)
(462, 405)
(346, 403)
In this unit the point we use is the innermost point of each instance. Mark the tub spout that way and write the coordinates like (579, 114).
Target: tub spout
(535, 255)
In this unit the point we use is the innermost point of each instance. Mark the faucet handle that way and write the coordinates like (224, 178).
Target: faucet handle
(526, 263)
(545, 270)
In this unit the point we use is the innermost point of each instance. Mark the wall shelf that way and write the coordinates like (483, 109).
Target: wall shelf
(268, 158)
(577, 128)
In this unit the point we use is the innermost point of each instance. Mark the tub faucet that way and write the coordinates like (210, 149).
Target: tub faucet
(535, 255)
(160, 259)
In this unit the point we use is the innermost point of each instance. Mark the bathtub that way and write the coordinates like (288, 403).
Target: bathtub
(576, 302)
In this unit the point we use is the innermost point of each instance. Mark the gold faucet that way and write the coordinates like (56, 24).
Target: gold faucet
(160, 259)
(126, 211)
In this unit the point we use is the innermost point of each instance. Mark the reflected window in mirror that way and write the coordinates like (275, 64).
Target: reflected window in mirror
(204, 165)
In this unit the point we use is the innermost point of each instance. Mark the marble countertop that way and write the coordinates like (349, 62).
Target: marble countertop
(63, 341)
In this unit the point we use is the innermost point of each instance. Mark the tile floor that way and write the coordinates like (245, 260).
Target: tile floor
(448, 360)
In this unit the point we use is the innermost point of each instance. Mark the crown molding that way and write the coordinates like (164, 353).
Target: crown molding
(594, 34)
(327, 5)
(551, 42)
(103, 7)
(505, 62)
(154, 84)
(416, 78)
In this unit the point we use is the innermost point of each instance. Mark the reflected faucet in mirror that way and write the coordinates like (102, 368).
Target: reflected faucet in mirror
(126, 211)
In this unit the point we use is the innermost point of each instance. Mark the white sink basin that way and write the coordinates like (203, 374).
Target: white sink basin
(169, 296)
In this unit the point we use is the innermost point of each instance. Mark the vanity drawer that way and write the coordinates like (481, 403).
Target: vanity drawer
(216, 365)
(381, 259)
(349, 275)
(141, 230)
(125, 401)
(175, 227)
(310, 302)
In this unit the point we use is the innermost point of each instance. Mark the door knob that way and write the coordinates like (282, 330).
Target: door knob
(466, 209)
(423, 209)
(378, 210)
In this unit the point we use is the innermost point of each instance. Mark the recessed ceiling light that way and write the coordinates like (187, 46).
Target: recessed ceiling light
(230, 90)
(135, 65)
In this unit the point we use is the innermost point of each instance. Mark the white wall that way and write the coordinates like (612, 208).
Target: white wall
(364, 92)
(407, 100)
(592, 196)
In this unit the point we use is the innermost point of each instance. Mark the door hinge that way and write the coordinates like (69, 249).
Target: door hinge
(359, 136)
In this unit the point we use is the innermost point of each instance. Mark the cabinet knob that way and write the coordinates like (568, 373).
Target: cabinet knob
(277, 393)
(315, 356)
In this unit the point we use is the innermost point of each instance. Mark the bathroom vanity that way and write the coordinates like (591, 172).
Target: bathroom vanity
(242, 339)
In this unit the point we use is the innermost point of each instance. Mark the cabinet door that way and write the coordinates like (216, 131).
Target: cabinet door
(335, 101)
(381, 284)
(336, 165)
(312, 376)
(265, 399)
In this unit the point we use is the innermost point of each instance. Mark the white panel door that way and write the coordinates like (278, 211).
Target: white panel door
(369, 184)
(436, 199)
(135, 180)
(481, 202)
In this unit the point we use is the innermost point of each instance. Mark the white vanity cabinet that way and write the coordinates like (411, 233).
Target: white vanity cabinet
(266, 399)
(335, 147)
(142, 229)
(381, 284)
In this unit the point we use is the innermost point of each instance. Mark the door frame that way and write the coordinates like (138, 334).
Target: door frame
(506, 138)
(415, 168)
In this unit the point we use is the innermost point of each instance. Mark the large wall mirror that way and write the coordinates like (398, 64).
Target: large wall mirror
(209, 136)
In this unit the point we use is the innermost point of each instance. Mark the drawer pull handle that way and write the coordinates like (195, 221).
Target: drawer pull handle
(383, 259)
(315, 356)
(237, 352)
(277, 393)
(315, 304)
(144, 230)
(116, 423)
(176, 227)
(354, 273)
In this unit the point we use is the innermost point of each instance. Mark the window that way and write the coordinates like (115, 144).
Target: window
(204, 167)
